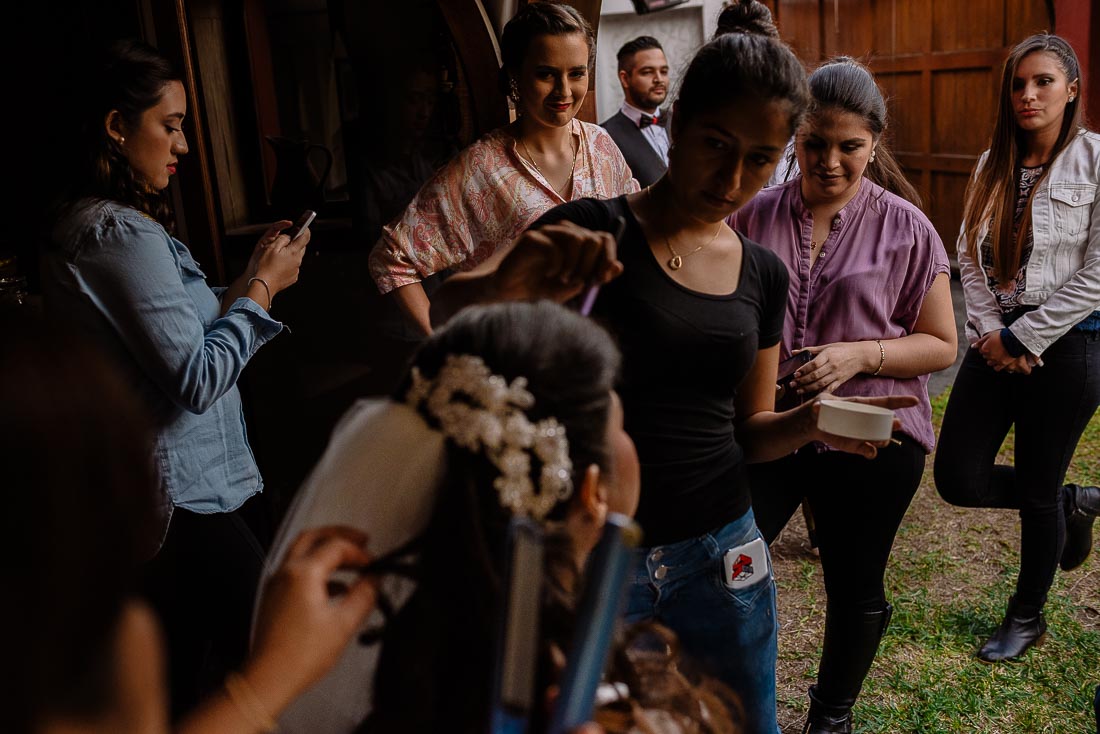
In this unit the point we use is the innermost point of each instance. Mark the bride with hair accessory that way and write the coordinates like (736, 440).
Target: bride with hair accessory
(507, 412)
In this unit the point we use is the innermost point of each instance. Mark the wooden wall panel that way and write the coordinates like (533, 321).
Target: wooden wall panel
(946, 206)
(938, 62)
(901, 28)
(903, 97)
(848, 29)
(1025, 19)
(968, 24)
(800, 26)
(963, 107)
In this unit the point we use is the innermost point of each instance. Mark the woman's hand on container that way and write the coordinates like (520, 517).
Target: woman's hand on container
(556, 261)
(276, 259)
(833, 365)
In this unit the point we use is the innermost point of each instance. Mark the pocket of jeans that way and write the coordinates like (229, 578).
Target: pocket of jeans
(747, 596)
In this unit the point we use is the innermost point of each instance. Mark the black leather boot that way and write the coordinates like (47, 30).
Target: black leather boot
(1081, 505)
(1022, 628)
(824, 718)
(851, 641)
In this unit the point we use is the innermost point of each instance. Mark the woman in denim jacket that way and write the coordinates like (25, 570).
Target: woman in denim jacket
(115, 272)
(1029, 254)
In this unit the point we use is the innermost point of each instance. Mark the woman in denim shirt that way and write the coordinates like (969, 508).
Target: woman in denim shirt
(1029, 254)
(115, 272)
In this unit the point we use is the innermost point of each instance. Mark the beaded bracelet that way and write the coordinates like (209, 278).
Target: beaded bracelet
(881, 357)
(267, 289)
(248, 703)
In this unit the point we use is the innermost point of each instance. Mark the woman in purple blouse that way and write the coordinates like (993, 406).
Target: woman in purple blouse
(869, 309)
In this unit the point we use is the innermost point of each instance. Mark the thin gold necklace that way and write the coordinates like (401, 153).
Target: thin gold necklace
(572, 168)
(677, 260)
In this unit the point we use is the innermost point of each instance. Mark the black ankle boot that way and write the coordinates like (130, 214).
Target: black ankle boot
(824, 719)
(851, 641)
(1082, 505)
(1022, 628)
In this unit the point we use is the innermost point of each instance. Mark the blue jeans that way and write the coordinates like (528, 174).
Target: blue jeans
(731, 634)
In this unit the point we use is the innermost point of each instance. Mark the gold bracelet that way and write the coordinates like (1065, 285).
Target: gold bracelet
(248, 703)
(267, 289)
(881, 357)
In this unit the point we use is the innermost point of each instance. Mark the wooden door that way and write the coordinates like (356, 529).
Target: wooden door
(938, 63)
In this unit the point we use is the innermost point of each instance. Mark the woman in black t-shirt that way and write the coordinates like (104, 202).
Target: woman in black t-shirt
(697, 310)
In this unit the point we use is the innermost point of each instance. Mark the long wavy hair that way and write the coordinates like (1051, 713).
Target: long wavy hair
(130, 77)
(991, 195)
(845, 84)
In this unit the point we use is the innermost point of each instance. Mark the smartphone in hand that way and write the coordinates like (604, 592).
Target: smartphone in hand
(788, 367)
(299, 226)
(786, 371)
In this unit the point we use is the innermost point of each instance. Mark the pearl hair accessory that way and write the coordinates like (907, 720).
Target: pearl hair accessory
(482, 413)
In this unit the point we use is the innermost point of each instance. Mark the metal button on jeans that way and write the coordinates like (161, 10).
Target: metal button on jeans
(656, 555)
(660, 573)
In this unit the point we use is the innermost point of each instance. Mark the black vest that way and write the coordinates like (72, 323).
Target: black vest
(644, 162)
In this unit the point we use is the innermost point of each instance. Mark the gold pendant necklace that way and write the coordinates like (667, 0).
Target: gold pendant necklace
(677, 260)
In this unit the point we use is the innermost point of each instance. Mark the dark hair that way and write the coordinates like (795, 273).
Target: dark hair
(745, 59)
(844, 83)
(80, 513)
(630, 48)
(746, 16)
(448, 625)
(130, 76)
(993, 190)
(534, 20)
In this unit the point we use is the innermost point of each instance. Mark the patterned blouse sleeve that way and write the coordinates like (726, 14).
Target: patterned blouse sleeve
(439, 229)
(619, 176)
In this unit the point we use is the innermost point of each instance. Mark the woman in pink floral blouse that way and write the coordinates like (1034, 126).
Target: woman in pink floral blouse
(476, 205)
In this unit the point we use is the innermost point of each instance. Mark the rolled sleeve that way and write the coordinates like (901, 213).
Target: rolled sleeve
(155, 298)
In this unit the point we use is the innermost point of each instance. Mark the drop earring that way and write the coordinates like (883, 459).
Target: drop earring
(872, 160)
(513, 91)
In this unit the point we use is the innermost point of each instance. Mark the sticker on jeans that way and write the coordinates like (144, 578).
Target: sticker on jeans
(746, 564)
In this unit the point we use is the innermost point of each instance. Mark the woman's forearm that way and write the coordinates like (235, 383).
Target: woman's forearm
(911, 356)
(769, 435)
(414, 303)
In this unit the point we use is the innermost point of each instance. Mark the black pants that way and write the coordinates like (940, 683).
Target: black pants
(857, 504)
(202, 585)
(1050, 409)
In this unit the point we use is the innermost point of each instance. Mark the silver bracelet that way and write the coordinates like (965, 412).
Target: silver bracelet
(881, 357)
(267, 289)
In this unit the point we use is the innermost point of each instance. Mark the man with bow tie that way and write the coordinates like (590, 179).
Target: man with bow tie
(638, 128)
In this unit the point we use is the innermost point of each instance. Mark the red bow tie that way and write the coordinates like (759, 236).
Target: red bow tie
(646, 120)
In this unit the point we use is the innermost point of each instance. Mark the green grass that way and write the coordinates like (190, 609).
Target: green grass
(951, 573)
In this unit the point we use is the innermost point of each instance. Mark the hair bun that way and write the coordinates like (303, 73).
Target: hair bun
(746, 16)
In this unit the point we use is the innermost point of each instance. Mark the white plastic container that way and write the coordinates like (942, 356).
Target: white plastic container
(856, 420)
